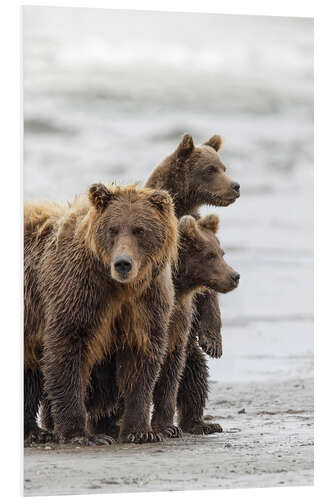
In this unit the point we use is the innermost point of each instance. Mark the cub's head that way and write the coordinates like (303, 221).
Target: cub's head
(201, 258)
(133, 229)
(204, 173)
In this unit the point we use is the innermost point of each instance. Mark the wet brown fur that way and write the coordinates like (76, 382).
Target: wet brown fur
(183, 175)
(198, 244)
(195, 176)
(73, 296)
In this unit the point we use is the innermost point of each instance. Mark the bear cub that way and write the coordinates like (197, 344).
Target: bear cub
(201, 266)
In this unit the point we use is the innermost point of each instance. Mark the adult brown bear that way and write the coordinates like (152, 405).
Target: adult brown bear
(102, 262)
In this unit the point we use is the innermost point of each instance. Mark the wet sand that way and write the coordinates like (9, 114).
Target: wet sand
(267, 441)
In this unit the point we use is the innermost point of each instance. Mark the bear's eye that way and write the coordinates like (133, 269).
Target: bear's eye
(211, 170)
(211, 256)
(137, 231)
(113, 231)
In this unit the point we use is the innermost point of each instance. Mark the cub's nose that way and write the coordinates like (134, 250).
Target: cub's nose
(235, 278)
(123, 264)
(235, 186)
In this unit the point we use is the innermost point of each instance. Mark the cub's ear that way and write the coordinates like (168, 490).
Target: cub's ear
(161, 200)
(185, 146)
(188, 226)
(210, 222)
(214, 142)
(100, 196)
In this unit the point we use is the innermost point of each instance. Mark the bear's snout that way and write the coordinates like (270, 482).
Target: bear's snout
(123, 265)
(235, 186)
(235, 278)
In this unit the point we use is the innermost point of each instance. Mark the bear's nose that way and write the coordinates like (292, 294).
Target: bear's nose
(123, 264)
(235, 278)
(235, 186)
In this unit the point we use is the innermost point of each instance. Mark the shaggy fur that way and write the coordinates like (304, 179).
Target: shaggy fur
(193, 175)
(75, 292)
(198, 244)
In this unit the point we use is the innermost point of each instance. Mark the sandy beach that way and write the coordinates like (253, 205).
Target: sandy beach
(267, 441)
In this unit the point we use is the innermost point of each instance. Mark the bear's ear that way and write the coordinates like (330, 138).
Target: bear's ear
(214, 142)
(210, 222)
(100, 196)
(188, 226)
(185, 146)
(161, 200)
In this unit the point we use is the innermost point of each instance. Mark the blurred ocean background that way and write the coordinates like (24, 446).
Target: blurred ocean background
(108, 94)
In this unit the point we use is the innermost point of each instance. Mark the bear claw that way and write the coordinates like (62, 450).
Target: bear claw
(170, 431)
(142, 437)
(104, 439)
(173, 431)
(97, 440)
(213, 349)
(203, 428)
(39, 436)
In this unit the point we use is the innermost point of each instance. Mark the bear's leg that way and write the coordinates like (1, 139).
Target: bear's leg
(32, 395)
(103, 403)
(137, 378)
(107, 424)
(65, 387)
(193, 393)
(138, 366)
(165, 393)
(208, 323)
(46, 418)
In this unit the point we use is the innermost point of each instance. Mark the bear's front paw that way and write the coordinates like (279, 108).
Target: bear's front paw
(39, 436)
(172, 431)
(87, 440)
(211, 346)
(105, 428)
(202, 428)
(141, 437)
(169, 431)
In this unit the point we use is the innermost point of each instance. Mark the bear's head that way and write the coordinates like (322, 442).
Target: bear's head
(201, 259)
(205, 173)
(195, 176)
(133, 229)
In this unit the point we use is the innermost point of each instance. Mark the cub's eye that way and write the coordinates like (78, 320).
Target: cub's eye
(211, 256)
(211, 170)
(137, 231)
(113, 231)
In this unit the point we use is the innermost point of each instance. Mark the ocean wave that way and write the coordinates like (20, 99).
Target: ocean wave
(138, 60)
